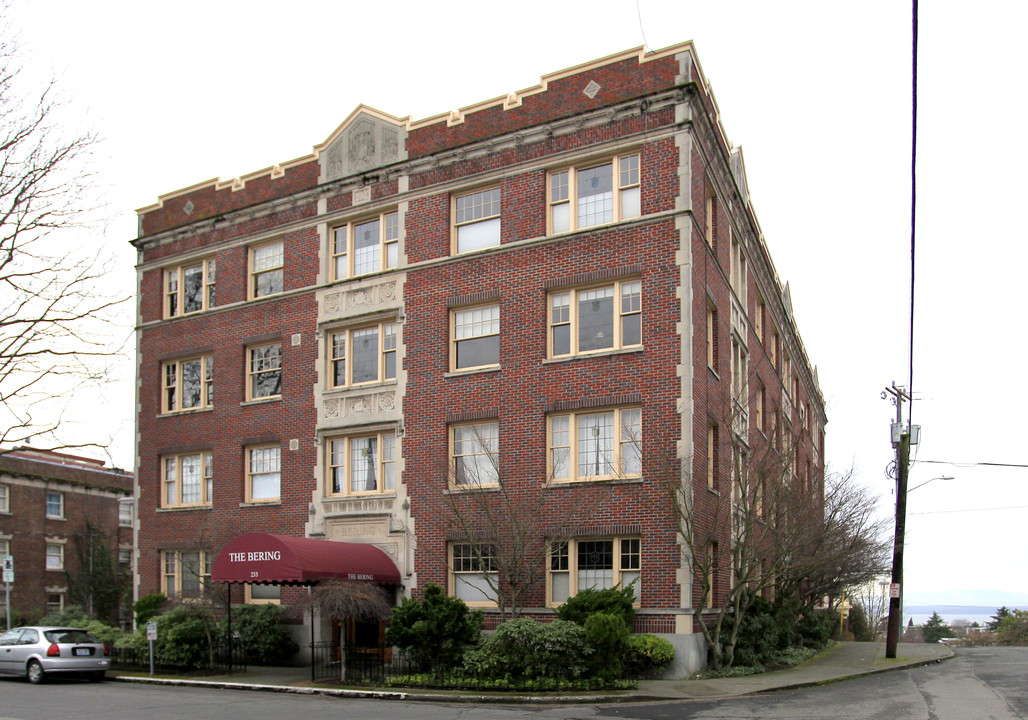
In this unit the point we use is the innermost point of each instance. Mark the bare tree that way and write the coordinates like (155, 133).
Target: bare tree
(841, 544)
(347, 600)
(873, 596)
(54, 307)
(732, 526)
(503, 529)
(763, 527)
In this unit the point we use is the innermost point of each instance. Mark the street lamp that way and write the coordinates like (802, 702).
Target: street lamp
(944, 477)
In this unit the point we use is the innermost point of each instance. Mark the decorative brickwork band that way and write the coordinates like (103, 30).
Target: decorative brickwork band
(188, 352)
(632, 398)
(459, 417)
(596, 276)
(472, 298)
(262, 439)
(593, 530)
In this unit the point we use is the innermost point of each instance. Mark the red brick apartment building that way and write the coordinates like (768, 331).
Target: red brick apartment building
(53, 506)
(549, 296)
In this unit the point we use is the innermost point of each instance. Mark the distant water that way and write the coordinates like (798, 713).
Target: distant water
(949, 613)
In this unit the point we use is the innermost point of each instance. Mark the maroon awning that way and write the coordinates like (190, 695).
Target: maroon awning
(266, 558)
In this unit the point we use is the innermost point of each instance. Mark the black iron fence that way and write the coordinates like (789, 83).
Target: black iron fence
(379, 666)
(224, 659)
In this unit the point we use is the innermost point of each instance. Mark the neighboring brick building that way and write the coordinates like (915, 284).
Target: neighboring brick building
(550, 291)
(53, 506)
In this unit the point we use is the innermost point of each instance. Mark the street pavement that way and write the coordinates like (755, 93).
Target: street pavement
(842, 661)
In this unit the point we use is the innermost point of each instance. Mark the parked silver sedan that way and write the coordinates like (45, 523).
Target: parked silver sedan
(35, 652)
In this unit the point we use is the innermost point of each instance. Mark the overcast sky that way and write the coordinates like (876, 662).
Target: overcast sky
(817, 94)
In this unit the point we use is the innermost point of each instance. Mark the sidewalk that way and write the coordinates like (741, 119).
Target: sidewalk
(842, 661)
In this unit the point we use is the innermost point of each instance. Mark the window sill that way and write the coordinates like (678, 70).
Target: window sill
(60, 569)
(713, 372)
(457, 490)
(61, 518)
(598, 353)
(179, 508)
(606, 481)
(361, 387)
(371, 495)
(260, 503)
(190, 411)
(473, 371)
(261, 401)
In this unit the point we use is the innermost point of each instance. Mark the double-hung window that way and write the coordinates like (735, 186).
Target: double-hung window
(578, 565)
(594, 319)
(187, 384)
(263, 473)
(5, 499)
(475, 337)
(266, 269)
(264, 371)
(583, 197)
(55, 504)
(363, 355)
(359, 248)
(474, 454)
(476, 219)
(189, 288)
(54, 556)
(474, 573)
(185, 573)
(188, 480)
(595, 445)
(360, 465)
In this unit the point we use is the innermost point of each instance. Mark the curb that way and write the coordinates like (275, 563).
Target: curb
(515, 699)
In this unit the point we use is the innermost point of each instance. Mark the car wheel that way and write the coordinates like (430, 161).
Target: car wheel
(35, 672)
(96, 676)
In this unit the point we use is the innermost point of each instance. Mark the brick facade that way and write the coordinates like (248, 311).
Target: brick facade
(82, 493)
(652, 112)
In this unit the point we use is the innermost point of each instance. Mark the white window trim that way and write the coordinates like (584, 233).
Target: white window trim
(452, 574)
(618, 316)
(492, 458)
(252, 272)
(5, 498)
(381, 464)
(387, 242)
(618, 188)
(53, 543)
(206, 458)
(347, 356)
(206, 384)
(208, 270)
(454, 339)
(617, 441)
(459, 223)
(248, 459)
(46, 505)
(572, 569)
(251, 374)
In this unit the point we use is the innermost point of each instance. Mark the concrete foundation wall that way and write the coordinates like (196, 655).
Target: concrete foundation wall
(690, 656)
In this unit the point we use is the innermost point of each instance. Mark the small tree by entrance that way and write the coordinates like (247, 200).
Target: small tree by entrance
(347, 600)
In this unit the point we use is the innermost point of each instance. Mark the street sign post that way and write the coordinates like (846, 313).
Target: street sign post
(151, 635)
(8, 563)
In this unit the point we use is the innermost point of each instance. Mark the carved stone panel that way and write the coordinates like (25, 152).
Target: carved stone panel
(367, 142)
(359, 300)
(360, 405)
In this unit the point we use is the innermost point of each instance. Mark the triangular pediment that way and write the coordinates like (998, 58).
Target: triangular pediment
(365, 140)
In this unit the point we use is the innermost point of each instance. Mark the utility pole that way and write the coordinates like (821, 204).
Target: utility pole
(901, 442)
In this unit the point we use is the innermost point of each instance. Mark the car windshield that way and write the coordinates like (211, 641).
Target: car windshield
(69, 636)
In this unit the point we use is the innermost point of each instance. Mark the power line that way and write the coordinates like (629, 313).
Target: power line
(945, 512)
(973, 464)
